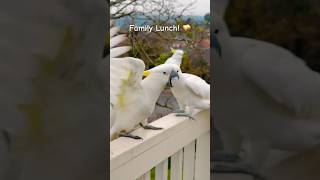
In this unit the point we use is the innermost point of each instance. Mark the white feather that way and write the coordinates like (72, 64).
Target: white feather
(114, 31)
(132, 99)
(285, 77)
(124, 73)
(191, 91)
(118, 51)
(176, 58)
(197, 85)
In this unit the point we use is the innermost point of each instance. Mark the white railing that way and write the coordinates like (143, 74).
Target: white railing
(183, 142)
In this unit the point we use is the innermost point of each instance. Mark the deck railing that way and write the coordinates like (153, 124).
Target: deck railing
(181, 151)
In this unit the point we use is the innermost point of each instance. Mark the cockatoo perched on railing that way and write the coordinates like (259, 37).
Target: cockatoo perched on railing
(192, 92)
(265, 98)
(133, 99)
(52, 97)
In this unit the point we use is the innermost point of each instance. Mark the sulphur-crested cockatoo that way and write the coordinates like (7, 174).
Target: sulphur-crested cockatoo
(192, 92)
(136, 99)
(132, 100)
(265, 97)
(52, 96)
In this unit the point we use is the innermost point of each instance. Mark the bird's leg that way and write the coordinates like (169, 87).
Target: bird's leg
(179, 111)
(229, 163)
(147, 126)
(233, 164)
(228, 160)
(128, 135)
(235, 168)
(249, 160)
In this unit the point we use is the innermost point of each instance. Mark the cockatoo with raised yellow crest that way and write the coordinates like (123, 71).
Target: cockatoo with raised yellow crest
(133, 99)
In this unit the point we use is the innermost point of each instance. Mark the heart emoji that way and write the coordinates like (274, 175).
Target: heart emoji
(186, 27)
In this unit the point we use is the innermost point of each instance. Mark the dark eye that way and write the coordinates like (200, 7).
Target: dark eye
(216, 31)
(164, 72)
(177, 71)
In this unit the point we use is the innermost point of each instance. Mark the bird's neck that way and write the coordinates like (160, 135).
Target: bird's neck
(178, 83)
(228, 57)
(177, 56)
(152, 87)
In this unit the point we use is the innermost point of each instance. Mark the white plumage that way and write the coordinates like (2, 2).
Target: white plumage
(265, 97)
(192, 92)
(132, 99)
(176, 57)
(120, 68)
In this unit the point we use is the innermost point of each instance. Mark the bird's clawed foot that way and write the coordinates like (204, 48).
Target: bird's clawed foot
(182, 113)
(149, 127)
(225, 157)
(128, 135)
(185, 115)
(234, 168)
(232, 163)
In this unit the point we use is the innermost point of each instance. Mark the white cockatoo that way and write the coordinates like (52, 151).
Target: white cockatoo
(191, 92)
(132, 100)
(136, 98)
(52, 96)
(264, 98)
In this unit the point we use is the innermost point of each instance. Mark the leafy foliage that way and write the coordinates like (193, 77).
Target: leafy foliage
(155, 47)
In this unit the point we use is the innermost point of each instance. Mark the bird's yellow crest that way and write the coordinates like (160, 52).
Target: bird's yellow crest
(173, 50)
(146, 73)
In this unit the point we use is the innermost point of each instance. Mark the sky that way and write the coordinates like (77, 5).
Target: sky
(201, 7)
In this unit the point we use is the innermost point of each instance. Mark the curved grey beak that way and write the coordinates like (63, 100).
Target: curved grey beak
(173, 74)
(216, 45)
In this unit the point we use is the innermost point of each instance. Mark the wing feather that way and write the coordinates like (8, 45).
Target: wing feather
(116, 40)
(114, 31)
(197, 85)
(125, 73)
(118, 51)
(284, 77)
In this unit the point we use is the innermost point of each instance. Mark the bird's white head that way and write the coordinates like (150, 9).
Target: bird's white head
(164, 73)
(220, 34)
